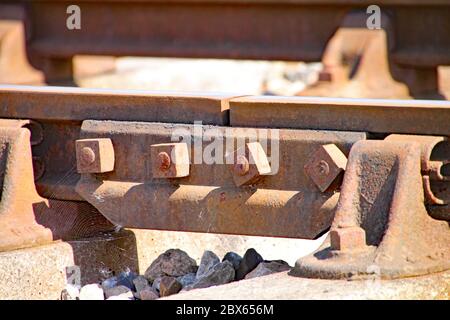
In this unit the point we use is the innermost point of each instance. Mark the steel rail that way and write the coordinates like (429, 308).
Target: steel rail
(372, 115)
(295, 30)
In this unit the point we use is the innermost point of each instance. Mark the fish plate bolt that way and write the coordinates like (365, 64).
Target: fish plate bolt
(348, 238)
(241, 166)
(250, 163)
(164, 161)
(325, 166)
(169, 160)
(94, 155)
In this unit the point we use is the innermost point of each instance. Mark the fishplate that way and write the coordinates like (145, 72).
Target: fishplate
(215, 193)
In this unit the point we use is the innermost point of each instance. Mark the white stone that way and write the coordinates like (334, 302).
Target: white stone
(124, 296)
(92, 292)
(70, 292)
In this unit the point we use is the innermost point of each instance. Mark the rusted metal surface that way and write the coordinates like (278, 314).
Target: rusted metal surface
(14, 65)
(356, 63)
(170, 160)
(381, 225)
(60, 112)
(140, 169)
(18, 227)
(299, 30)
(94, 155)
(26, 218)
(250, 164)
(77, 104)
(435, 157)
(326, 165)
(377, 116)
(208, 200)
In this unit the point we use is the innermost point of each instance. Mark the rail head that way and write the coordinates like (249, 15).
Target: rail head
(371, 115)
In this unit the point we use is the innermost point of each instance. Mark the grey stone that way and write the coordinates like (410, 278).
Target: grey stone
(234, 258)
(126, 279)
(140, 283)
(156, 283)
(173, 262)
(209, 260)
(116, 291)
(221, 273)
(137, 294)
(123, 279)
(92, 292)
(169, 286)
(278, 261)
(249, 262)
(187, 279)
(109, 283)
(267, 267)
(70, 292)
(149, 293)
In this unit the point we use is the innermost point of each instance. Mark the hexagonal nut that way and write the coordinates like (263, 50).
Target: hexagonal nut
(325, 165)
(349, 238)
(249, 164)
(169, 160)
(94, 155)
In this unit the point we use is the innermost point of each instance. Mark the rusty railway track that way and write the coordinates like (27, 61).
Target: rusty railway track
(374, 171)
(293, 30)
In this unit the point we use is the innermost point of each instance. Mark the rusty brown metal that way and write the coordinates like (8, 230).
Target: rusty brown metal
(60, 112)
(208, 200)
(391, 211)
(299, 30)
(250, 164)
(26, 218)
(14, 65)
(348, 239)
(356, 62)
(370, 115)
(435, 153)
(94, 155)
(78, 104)
(381, 223)
(325, 166)
(170, 160)
(18, 227)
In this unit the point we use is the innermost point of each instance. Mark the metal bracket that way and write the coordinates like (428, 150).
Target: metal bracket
(381, 224)
(19, 199)
(26, 218)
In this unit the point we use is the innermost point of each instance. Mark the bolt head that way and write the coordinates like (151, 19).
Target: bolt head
(87, 156)
(164, 161)
(325, 165)
(94, 155)
(347, 239)
(323, 168)
(249, 164)
(241, 166)
(169, 160)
